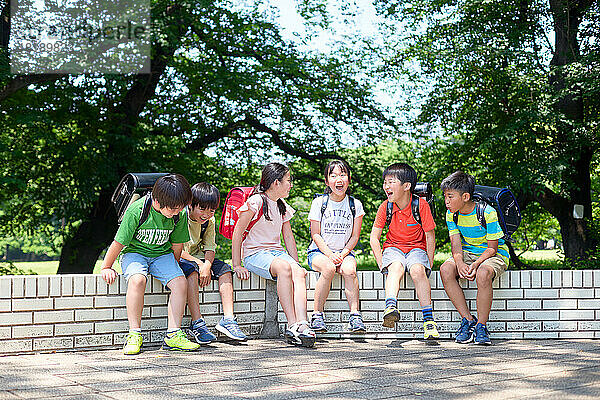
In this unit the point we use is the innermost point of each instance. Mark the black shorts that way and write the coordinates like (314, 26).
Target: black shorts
(218, 268)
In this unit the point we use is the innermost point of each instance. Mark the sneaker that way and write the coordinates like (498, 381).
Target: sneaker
(482, 335)
(317, 322)
(179, 342)
(305, 338)
(230, 328)
(390, 317)
(430, 330)
(464, 334)
(290, 336)
(133, 344)
(199, 331)
(356, 324)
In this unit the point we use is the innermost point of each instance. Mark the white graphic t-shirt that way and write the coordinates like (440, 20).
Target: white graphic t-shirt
(336, 224)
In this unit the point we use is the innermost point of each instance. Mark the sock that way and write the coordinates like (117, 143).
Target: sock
(427, 313)
(171, 331)
(135, 330)
(199, 321)
(229, 317)
(390, 302)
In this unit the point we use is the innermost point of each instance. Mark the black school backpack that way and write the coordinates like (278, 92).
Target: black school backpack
(132, 187)
(422, 189)
(505, 204)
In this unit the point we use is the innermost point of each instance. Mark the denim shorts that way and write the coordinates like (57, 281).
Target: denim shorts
(260, 263)
(415, 256)
(217, 269)
(315, 252)
(164, 268)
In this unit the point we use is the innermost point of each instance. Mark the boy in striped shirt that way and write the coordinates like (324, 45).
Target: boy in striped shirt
(478, 254)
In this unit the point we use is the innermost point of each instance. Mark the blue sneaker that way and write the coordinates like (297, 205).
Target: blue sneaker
(200, 332)
(317, 322)
(482, 335)
(230, 328)
(356, 324)
(464, 334)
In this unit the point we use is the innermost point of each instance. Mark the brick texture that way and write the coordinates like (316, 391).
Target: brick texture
(69, 312)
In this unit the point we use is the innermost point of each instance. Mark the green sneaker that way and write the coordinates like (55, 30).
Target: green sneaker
(179, 341)
(133, 344)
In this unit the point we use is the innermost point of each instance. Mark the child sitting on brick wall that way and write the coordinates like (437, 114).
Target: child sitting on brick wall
(153, 247)
(409, 245)
(199, 265)
(478, 254)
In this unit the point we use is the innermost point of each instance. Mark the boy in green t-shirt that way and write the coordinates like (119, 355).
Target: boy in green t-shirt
(153, 247)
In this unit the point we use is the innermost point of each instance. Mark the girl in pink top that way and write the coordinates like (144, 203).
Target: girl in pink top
(264, 255)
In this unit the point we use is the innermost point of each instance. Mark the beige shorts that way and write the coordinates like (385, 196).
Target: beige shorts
(496, 262)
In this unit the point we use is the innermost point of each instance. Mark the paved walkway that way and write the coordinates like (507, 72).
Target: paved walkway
(335, 369)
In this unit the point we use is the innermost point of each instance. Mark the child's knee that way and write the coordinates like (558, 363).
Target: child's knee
(137, 282)
(282, 268)
(484, 276)
(327, 271)
(418, 272)
(395, 268)
(448, 270)
(348, 270)
(178, 284)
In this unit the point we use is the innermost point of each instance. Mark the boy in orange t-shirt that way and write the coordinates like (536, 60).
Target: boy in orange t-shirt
(409, 244)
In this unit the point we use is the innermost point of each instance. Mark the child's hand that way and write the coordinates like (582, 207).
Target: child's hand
(472, 272)
(463, 270)
(204, 275)
(242, 273)
(109, 275)
(336, 258)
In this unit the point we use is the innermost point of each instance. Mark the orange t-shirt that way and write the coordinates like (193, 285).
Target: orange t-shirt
(404, 232)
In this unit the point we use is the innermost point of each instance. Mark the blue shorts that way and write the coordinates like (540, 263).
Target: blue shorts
(315, 252)
(217, 269)
(260, 263)
(164, 268)
(415, 256)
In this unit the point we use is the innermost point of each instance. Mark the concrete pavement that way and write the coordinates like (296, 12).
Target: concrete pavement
(334, 369)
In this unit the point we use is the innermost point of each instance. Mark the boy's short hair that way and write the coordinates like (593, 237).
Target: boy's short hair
(205, 195)
(403, 172)
(172, 191)
(460, 181)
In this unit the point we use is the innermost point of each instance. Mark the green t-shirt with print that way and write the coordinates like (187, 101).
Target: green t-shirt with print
(155, 236)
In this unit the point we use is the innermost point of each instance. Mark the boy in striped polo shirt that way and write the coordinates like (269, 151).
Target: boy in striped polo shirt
(478, 254)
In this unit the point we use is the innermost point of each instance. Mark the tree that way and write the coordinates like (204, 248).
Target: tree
(220, 79)
(515, 108)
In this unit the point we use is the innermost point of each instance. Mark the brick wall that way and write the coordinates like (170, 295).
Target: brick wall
(47, 313)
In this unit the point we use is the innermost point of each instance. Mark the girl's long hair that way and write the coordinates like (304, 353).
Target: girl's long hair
(271, 172)
(344, 167)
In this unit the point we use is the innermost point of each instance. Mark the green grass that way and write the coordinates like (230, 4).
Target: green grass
(537, 259)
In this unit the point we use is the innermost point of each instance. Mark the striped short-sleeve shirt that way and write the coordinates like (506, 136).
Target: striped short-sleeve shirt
(474, 237)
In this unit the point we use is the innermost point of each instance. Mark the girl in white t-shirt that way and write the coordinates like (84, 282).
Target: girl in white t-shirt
(335, 222)
(264, 255)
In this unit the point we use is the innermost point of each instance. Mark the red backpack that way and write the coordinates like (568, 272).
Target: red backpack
(235, 199)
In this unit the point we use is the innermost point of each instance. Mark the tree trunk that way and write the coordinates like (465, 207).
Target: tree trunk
(567, 16)
(80, 252)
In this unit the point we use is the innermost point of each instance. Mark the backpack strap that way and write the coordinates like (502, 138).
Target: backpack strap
(253, 222)
(203, 228)
(480, 211)
(352, 207)
(389, 210)
(324, 204)
(146, 210)
(414, 206)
